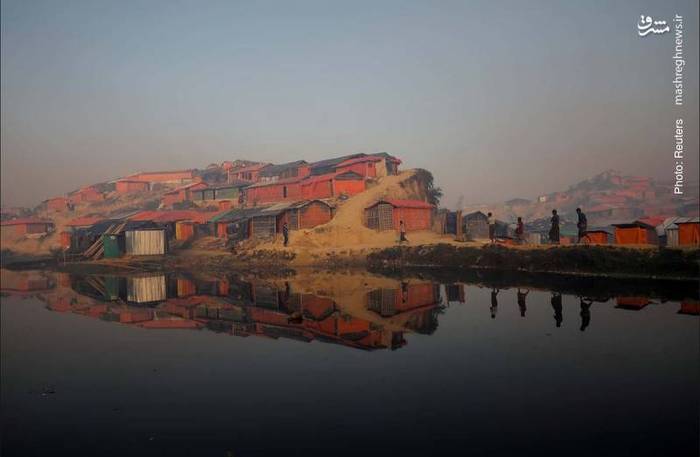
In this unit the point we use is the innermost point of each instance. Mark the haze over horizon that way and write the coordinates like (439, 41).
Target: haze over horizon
(498, 99)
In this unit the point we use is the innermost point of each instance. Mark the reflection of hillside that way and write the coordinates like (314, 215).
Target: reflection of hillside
(230, 305)
(25, 282)
(361, 311)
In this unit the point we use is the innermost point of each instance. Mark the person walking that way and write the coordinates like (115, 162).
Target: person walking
(494, 302)
(585, 313)
(522, 301)
(554, 230)
(558, 308)
(402, 233)
(520, 231)
(582, 224)
(285, 233)
(492, 227)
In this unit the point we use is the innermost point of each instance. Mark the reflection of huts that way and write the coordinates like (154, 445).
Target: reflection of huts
(636, 232)
(455, 292)
(632, 303)
(27, 226)
(24, 281)
(387, 214)
(690, 307)
(145, 289)
(389, 302)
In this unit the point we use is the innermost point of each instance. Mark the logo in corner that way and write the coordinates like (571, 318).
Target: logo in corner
(647, 25)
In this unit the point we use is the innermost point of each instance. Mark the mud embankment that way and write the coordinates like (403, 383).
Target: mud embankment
(583, 261)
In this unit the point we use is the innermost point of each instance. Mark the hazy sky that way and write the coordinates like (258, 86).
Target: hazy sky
(497, 98)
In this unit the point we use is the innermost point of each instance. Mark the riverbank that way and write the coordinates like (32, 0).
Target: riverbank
(564, 261)
(583, 261)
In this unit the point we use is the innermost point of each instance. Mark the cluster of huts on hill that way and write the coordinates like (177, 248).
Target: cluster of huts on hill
(254, 202)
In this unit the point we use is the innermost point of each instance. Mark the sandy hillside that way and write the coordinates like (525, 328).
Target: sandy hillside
(346, 229)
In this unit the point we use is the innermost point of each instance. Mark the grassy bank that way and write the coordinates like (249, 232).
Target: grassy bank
(601, 261)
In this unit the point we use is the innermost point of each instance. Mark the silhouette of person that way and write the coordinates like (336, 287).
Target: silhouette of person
(285, 233)
(582, 224)
(557, 306)
(522, 296)
(494, 302)
(554, 230)
(585, 313)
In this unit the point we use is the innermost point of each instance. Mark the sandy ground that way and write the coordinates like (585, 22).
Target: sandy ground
(345, 235)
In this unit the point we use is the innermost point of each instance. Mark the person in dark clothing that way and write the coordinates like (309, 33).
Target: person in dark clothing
(585, 313)
(522, 296)
(554, 231)
(285, 233)
(494, 302)
(402, 233)
(520, 231)
(582, 224)
(492, 227)
(558, 309)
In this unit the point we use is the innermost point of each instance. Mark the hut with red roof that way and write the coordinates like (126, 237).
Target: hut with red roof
(371, 166)
(387, 215)
(274, 191)
(250, 173)
(86, 194)
(27, 226)
(57, 204)
(182, 193)
(124, 186)
(331, 185)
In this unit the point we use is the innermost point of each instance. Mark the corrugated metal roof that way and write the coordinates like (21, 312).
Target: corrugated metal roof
(236, 214)
(174, 216)
(634, 224)
(275, 183)
(274, 170)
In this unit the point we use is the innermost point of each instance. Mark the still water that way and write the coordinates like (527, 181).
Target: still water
(343, 364)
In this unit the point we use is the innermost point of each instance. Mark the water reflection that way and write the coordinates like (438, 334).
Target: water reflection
(360, 311)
